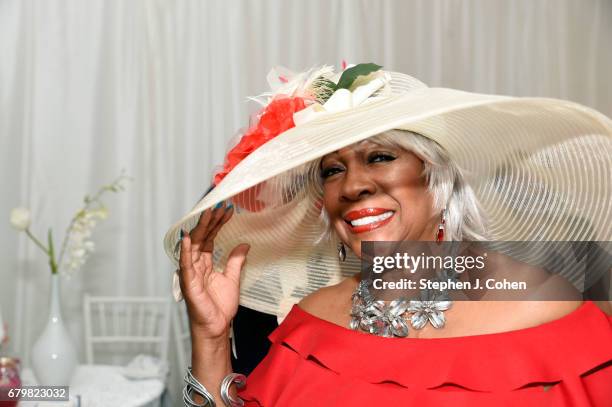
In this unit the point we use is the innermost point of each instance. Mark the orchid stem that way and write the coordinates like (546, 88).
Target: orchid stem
(52, 262)
(35, 240)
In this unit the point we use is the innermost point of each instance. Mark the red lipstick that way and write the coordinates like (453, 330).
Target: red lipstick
(361, 213)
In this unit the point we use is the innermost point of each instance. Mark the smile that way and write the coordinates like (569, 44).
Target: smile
(364, 220)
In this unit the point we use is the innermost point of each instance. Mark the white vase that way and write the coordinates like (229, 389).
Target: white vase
(54, 357)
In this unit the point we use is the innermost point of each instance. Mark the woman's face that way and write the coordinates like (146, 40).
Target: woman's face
(374, 192)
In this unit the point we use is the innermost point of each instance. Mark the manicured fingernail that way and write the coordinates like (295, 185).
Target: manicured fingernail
(182, 234)
(217, 206)
(229, 206)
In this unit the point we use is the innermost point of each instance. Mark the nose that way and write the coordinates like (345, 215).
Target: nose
(357, 184)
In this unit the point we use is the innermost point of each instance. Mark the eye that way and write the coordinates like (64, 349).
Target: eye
(380, 157)
(329, 171)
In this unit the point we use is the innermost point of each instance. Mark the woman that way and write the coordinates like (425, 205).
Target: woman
(336, 160)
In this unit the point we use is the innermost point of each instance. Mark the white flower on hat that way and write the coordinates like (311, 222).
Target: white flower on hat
(330, 92)
(20, 218)
(360, 90)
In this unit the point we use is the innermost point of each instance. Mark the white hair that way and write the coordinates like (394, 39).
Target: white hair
(464, 220)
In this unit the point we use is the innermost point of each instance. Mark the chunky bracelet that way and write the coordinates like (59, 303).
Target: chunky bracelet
(193, 385)
(240, 381)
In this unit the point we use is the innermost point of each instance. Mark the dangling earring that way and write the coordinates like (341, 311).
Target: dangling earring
(341, 252)
(441, 225)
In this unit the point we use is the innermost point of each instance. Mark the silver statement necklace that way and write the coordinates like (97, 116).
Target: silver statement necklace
(389, 319)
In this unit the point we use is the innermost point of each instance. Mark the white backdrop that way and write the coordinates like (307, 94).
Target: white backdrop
(158, 87)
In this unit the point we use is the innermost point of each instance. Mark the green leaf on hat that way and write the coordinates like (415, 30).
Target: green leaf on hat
(349, 75)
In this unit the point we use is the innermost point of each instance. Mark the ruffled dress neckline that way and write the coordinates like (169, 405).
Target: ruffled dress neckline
(311, 357)
(574, 315)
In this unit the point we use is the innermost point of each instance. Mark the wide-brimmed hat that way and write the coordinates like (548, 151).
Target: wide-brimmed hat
(540, 168)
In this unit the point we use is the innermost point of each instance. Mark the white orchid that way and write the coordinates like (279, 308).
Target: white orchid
(77, 244)
(20, 218)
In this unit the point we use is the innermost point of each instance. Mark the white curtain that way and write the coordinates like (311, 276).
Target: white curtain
(158, 87)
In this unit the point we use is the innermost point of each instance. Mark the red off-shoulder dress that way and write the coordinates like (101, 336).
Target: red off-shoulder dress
(313, 362)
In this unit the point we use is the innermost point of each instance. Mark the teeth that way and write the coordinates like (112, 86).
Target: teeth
(371, 219)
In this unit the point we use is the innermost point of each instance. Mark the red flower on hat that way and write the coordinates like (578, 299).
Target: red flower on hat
(276, 119)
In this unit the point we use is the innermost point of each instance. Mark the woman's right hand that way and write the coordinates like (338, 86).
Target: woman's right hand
(212, 297)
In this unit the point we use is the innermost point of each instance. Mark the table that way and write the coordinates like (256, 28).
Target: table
(102, 386)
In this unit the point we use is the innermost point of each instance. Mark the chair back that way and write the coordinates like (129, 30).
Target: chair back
(123, 327)
(182, 335)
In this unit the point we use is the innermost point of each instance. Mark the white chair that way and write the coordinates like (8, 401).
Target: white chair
(182, 335)
(131, 325)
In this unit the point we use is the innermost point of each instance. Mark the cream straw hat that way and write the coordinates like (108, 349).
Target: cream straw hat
(540, 168)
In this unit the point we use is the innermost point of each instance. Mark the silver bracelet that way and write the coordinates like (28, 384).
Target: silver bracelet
(193, 385)
(240, 381)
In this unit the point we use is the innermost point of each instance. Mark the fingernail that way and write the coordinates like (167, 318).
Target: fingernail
(229, 206)
(217, 206)
(182, 234)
